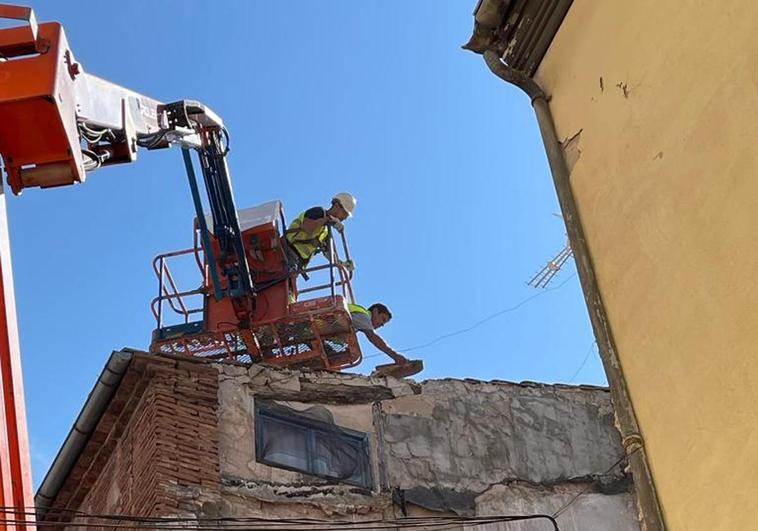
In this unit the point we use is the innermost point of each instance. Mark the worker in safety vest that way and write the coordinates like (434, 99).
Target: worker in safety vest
(367, 320)
(308, 232)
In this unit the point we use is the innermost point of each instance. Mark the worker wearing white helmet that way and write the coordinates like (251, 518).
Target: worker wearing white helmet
(308, 231)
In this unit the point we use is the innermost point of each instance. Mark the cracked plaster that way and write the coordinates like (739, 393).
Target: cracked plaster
(450, 446)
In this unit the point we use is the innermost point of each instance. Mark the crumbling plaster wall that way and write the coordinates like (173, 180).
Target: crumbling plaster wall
(447, 446)
(483, 448)
(270, 491)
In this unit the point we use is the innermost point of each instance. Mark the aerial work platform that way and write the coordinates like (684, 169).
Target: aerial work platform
(283, 329)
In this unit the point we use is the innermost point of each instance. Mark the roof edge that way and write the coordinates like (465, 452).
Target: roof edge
(520, 32)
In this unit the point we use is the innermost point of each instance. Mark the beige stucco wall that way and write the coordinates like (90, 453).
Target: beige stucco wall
(667, 191)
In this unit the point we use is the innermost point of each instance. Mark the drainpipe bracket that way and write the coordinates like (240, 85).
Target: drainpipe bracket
(632, 443)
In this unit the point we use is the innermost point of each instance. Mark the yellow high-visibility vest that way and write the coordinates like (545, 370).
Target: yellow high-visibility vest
(305, 243)
(357, 308)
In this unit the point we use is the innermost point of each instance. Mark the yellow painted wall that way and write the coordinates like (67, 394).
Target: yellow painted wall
(667, 188)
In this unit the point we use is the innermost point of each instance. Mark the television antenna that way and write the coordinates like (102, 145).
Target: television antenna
(553, 266)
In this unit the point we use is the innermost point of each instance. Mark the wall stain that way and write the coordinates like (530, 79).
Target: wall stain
(624, 88)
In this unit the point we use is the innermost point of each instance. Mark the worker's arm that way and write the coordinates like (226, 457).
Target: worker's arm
(313, 219)
(316, 217)
(382, 345)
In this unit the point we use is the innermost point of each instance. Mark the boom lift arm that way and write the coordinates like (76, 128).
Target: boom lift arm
(57, 123)
(60, 122)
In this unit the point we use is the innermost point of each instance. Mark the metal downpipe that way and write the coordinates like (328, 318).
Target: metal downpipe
(651, 515)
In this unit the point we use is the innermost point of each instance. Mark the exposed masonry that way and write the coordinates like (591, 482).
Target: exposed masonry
(316, 386)
(449, 446)
(474, 435)
(177, 439)
(155, 447)
(325, 498)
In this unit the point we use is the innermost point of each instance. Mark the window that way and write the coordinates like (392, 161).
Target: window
(296, 441)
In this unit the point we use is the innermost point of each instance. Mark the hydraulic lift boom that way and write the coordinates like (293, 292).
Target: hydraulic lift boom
(50, 106)
(58, 122)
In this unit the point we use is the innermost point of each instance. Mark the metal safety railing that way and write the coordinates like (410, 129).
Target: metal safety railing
(172, 299)
(169, 294)
(342, 268)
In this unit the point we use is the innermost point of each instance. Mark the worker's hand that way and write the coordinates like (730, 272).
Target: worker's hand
(337, 224)
(401, 360)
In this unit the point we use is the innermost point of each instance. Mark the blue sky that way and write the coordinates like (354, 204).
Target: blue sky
(455, 201)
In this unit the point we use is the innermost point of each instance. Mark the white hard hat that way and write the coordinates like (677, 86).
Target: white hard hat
(347, 200)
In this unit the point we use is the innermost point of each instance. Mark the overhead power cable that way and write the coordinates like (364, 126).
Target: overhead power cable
(82, 519)
(481, 321)
(591, 484)
(590, 349)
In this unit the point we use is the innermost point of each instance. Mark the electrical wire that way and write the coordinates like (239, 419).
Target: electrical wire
(74, 518)
(94, 136)
(93, 161)
(584, 361)
(152, 140)
(622, 459)
(222, 525)
(481, 321)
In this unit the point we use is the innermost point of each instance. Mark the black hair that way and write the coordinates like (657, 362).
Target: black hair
(381, 308)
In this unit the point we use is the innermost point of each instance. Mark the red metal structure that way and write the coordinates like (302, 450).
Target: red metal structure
(315, 333)
(58, 122)
(15, 468)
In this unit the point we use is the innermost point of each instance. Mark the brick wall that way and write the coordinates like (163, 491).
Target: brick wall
(155, 450)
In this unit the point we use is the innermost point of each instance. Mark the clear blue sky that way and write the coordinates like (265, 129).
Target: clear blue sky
(455, 208)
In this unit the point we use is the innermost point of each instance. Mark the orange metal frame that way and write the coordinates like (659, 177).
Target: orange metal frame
(40, 140)
(315, 333)
(31, 100)
(15, 467)
(229, 344)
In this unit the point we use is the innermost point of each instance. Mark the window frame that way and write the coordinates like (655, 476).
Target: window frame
(263, 410)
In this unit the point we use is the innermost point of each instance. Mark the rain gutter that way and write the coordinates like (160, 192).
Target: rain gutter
(96, 404)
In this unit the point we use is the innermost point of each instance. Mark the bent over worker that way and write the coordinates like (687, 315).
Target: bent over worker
(367, 320)
(308, 232)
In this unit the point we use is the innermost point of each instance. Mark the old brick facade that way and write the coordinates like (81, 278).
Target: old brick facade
(155, 445)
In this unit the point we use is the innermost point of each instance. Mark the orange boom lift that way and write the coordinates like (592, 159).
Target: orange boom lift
(57, 123)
